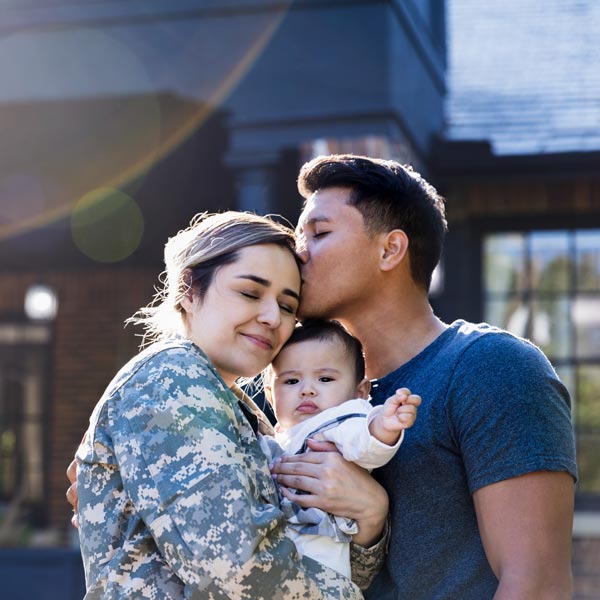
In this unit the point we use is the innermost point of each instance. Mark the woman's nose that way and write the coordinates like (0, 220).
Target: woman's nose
(270, 314)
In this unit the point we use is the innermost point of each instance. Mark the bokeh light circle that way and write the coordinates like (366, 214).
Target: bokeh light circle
(107, 225)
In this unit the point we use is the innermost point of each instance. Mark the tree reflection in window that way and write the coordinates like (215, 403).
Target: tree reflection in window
(545, 286)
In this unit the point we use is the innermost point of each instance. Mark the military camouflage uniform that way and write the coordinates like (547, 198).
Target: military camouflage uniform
(175, 496)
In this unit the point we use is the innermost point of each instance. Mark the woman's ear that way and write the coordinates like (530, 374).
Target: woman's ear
(187, 302)
(187, 299)
(363, 389)
(394, 249)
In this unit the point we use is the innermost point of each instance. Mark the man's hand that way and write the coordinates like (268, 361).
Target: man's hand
(335, 486)
(71, 494)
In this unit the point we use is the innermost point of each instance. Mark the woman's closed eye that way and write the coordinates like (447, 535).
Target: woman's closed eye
(320, 234)
(287, 308)
(252, 295)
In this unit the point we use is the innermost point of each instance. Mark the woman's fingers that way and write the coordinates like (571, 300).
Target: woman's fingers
(71, 494)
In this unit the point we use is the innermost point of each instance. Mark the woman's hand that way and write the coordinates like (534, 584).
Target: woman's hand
(71, 494)
(335, 486)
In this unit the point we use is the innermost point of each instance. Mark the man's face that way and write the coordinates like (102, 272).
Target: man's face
(339, 258)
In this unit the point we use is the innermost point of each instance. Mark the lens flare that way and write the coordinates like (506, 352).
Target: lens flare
(107, 225)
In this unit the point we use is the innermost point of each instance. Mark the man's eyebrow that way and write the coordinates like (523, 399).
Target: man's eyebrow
(317, 219)
(266, 283)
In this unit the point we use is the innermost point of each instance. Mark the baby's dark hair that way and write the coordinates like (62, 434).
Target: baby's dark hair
(320, 329)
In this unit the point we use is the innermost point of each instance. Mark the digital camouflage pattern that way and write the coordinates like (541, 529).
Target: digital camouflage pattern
(176, 499)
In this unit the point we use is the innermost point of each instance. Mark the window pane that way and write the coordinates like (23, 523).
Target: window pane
(587, 248)
(567, 376)
(588, 429)
(550, 263)
(508, 313)
(586, 319)
(551, 327)
(504, 265)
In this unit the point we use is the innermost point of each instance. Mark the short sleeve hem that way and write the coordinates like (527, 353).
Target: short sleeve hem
(516, 470)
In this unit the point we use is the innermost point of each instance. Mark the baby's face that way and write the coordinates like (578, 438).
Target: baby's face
(309, 377)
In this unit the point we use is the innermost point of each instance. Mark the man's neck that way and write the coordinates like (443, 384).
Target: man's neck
(393, 337)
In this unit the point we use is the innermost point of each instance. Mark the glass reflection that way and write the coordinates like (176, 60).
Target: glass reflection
(586, 319)
(551, 327)
(504, 262)
(587, 252)
(588, 428)
(550, 261)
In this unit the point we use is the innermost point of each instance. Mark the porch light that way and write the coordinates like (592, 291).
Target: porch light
(41, 302)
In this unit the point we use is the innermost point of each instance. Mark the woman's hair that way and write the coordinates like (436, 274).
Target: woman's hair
(193, 256)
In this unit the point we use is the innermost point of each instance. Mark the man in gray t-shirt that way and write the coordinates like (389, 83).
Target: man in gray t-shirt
(481, 493)
(474, 431)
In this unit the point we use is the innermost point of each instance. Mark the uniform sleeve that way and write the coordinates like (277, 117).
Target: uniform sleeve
(353, 439)
(365, 563)
(509, 414)
(199, 486)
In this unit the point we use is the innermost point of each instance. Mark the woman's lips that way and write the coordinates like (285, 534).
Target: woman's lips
(259, 340)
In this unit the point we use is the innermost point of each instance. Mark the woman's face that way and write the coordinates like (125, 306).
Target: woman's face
(248, 311)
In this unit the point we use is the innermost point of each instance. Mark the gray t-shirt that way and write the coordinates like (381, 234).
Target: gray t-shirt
(493, 408)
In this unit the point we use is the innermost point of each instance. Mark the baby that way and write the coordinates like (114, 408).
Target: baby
(318, 390)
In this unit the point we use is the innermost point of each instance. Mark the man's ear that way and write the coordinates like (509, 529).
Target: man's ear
(363, 389)
(394, 249)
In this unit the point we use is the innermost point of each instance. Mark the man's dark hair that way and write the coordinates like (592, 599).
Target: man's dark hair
(326, 330)
(389, 196)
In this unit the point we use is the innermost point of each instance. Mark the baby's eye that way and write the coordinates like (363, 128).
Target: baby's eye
(290, 381)
(326, 379)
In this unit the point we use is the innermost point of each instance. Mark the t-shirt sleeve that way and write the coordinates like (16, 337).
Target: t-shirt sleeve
(193, 480)
(508, 412)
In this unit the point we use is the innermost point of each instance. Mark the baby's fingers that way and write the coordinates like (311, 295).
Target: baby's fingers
(412, 400)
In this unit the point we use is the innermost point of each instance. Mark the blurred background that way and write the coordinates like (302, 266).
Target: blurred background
(119, 120)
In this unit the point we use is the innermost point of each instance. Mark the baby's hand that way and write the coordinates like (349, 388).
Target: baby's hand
(400, 410)
(397, 414)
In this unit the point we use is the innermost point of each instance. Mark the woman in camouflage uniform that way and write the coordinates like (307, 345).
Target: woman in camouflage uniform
(175, 497)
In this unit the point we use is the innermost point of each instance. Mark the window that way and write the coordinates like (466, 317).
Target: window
(23, 368)
(545, 286)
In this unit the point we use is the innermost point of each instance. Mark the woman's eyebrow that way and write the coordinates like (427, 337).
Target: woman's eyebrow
(267, 283)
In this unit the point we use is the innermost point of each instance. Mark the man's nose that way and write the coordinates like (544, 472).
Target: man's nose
(302, 254)
(302, 248)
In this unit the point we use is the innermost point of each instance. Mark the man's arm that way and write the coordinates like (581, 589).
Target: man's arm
(526, 526)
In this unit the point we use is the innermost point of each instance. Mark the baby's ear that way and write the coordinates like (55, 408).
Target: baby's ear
(363, 389)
